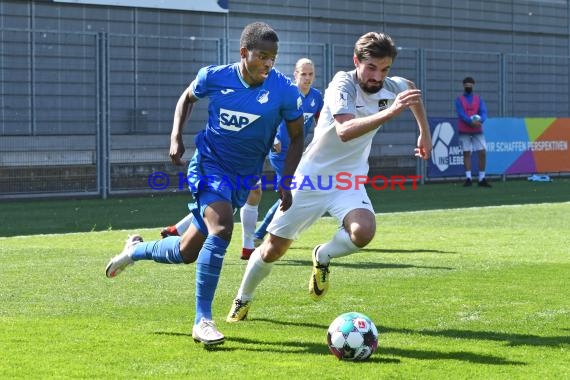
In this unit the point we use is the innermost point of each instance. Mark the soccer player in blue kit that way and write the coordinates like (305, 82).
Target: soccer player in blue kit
(304, 76)
(247, 101)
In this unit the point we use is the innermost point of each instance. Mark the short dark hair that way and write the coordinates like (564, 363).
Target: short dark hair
(375, 45)
(468, 80)
(255, 33)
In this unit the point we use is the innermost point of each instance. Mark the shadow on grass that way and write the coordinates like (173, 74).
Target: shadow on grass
(260, 345)
(360, 265)
(391, 250)
(296, 347)
(454, 355)
(383, 250)
(510, 339)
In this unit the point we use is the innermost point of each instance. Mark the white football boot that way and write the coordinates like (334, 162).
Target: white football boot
(118, 263)
(206, 332)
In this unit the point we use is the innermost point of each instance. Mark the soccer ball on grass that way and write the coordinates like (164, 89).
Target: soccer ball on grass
(352, 336)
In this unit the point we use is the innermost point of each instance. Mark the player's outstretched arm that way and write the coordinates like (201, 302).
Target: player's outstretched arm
(181, 113)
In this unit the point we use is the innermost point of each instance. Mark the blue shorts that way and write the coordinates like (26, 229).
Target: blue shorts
(209, 183)
(197, 209)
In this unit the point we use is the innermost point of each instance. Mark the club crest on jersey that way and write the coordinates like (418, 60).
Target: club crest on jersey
(263, 96)
(382, 104)
(235, 121)
(299, 103)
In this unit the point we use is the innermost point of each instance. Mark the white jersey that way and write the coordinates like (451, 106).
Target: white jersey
(327, 155)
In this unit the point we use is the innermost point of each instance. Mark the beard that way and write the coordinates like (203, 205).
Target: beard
(371, 88)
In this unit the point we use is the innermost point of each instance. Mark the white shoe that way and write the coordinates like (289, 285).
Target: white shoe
(123, 259)
(206, 332)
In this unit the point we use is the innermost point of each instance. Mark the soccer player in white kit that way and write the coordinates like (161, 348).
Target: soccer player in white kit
(356, 105)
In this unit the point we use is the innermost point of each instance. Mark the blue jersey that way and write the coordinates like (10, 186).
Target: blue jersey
(312, 105)
(242, 120)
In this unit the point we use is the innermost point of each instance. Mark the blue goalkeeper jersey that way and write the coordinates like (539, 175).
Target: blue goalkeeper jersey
(242, 120)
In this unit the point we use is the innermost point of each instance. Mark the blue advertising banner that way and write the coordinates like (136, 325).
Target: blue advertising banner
(514, 146)
(447, 156)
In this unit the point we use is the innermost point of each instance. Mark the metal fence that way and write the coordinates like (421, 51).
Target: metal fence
(91, 113)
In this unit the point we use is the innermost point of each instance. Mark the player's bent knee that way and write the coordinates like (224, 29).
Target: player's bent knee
(362, 242)
(224, 231)
(362, 236)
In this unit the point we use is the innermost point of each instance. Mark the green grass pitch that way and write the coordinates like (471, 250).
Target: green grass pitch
(457, 293)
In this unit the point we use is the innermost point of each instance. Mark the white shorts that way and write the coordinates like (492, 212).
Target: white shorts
(309, 205)
(472, 143)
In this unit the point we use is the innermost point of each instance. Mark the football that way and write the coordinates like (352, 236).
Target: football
(352, 336)
(475, 118)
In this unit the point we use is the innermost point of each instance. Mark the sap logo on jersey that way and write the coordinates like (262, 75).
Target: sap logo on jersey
(236, 121)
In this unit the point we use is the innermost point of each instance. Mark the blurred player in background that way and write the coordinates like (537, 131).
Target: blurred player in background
(304, 76)
(247, 101)
(356, 105)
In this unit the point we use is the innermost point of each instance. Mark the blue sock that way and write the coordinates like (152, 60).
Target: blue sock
(165, 251)
(208, 268)
(262, 229)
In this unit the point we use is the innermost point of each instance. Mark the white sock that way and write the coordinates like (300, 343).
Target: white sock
(481, 176)
(255, 272)
(183, 225)
(339, 246)
(468, 174)
(248, 214)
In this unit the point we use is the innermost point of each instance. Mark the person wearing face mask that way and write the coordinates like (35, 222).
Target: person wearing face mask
(472, 113)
